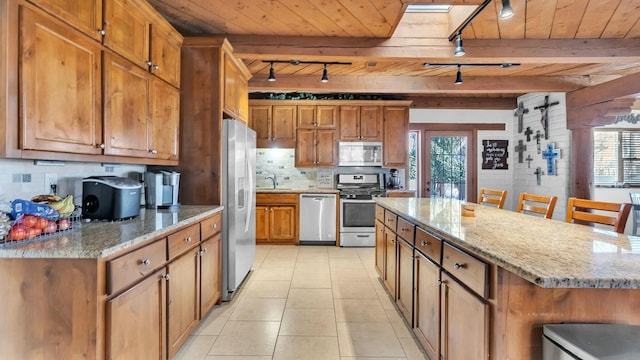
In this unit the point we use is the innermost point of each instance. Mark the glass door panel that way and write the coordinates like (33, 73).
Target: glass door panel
(447, 154)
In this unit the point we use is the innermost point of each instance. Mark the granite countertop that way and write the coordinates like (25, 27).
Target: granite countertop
(548, 253)
(99, 239)
(297, 191)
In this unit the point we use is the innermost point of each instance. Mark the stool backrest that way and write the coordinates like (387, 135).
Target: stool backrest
(539, 204)
(489, 196)
(579, 209)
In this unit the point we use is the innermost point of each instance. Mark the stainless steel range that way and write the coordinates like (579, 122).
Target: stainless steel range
(357, 208)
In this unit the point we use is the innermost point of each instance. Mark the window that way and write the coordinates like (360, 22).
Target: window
(616, 157)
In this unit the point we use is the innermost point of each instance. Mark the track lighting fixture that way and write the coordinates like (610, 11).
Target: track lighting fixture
(506, 11)
(272, 74)
(325, 77)
(458, 76)
(459, 66)
(459, 51)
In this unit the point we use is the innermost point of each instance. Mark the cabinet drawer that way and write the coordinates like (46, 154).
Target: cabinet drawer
(406, 230)
(182, 240)
(211, 226)
(379, 213)
(429, 245)
(128, 268)
(390, 220)
(266, 199)
(472, 272)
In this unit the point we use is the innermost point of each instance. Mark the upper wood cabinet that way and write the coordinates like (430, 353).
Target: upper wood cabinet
(126, 30)
(164, 123)
(164, 60)
(360, 123)
(316, 148)
(317, 117)
(60, 86)
(85, 15)
(236, 90)
(274, 125)
(396, 132)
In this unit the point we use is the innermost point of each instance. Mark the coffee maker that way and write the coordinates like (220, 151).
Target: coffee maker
(161, 189)
(394, 179)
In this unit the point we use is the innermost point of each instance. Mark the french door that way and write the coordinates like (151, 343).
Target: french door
(449, 165)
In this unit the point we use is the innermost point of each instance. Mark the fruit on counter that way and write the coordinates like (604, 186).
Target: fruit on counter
(65, 206)
(29, 221)
(51, 227)
(41, 223)
(63, 224)
(17, 233)
(33, 232)
(47, 198)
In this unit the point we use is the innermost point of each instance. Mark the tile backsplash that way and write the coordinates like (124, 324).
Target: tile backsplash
(22, 179)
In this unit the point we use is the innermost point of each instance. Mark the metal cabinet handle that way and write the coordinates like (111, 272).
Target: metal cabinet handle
(204, 250)
(153, 151)
(166, 276)
(156, 67)
(425, 243)
(187, 239)
(145, 262)
(458, 266)
(100, 146)
(214, 226)
(102, 32)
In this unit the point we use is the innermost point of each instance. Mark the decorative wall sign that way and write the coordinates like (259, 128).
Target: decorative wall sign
(324, 179)
(544, 118)
(495, 154)
(538, 174)
(551, 155)
(520, 148)
(520, 111)
(528, 132)
(529, 159)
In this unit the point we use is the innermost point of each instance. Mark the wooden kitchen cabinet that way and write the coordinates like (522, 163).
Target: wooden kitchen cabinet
(210, 273)
(164, 58)
(59, 112)
(404, 279)
(126, 30)
(395, 132)
(317, 117)
(84, 15)
(316, 148)
(360, 123)
(390, 261)
(274, 125)
(164, 122)
(426, 307)
(276, 218)
(236, 91)
(380, 248)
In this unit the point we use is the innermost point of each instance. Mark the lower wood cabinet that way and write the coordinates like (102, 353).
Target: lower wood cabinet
(276, 218)
(390, 270)
(183, 301)
(404, 280)
(210, 273)
(380, 248)
(426, 306)
(136, 320)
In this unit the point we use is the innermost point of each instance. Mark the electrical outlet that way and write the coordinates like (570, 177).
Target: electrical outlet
(50, 179)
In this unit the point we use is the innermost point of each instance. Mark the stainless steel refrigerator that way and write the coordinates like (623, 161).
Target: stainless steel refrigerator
(239, 201)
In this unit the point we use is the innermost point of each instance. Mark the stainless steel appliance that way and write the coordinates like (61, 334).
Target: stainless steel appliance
(362, 153)
(590, 341)
(110, 198)
(357, 208)
(238, 199)
(317, 219)
(161, 189)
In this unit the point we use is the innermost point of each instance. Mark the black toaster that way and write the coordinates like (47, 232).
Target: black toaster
(110, 198)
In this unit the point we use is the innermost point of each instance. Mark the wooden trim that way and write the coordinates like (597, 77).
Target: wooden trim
(493, 103)
(456, 126)
(581, 184)
(268, 102)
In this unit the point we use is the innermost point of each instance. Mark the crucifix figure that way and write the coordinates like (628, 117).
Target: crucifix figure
(528, 132)
(538, 174)
(529, 159)
(551, 154)
(538, 137)
(520, 111)
(544, 117)
(520, 148)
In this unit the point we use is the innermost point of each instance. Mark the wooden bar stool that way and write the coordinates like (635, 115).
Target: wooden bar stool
(635, 203)
(577, 209)
(539, 204)
(495, 197)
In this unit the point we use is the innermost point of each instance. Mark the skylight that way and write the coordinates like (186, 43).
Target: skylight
(428, 8)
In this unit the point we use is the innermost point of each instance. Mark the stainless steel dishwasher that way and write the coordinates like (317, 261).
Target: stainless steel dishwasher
(317, 219)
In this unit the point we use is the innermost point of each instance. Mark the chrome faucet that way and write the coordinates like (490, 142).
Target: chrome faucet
(274, 179)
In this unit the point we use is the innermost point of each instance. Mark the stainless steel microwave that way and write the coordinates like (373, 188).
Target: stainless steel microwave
(359, 153)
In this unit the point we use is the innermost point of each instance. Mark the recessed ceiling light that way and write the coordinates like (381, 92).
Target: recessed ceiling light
(428, 8)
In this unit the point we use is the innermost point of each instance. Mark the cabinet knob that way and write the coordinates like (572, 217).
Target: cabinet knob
(100, 146)
(149, 63)
(156, 67)
(153, 151)
(440, 282)
(214, 226)
(187, 239)
(425, 243)
(145, 262)
(204, 250)
(102, 32)
(166, 276)
(458, 266)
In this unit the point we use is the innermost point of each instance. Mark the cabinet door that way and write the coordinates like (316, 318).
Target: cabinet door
(326, 117)
(395, 136)
(183, 301)
(210, 273)
(165, 54)
(349, 123)
(326, 152)
(426, 306)
(380, 248)
(464, 322)
(230, 84)
(84, 15)
(306, 148)
(371, 123)
(127, 31)
(283, 223)
(126, 108)
(242, 97)
(262, 222)
(60, 87)
(164, 122)
(136, 321)
(390, 261)
(404, 276)
(307, 117)
(283, 126)
(260, 121)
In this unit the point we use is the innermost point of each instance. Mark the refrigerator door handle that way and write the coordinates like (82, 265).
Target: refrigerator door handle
(249, 192)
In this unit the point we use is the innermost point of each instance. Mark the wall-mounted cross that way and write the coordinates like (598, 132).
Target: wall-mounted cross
(520, 148)
(538, 174)
(538, 137)
(528, 132)
(544, 118)
(551, 154)
(529, 159)
(520, 111)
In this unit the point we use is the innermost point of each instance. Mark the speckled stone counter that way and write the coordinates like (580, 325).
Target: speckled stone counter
(549, 253)
(99, 239)
(297, 191)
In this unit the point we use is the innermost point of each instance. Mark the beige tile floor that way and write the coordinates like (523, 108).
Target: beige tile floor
(306, 302)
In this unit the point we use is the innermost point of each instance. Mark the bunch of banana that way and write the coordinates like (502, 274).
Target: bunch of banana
(46, 198)
(65, 206)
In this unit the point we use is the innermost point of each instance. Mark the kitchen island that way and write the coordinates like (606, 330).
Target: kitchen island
(488, 283)
(134, 288)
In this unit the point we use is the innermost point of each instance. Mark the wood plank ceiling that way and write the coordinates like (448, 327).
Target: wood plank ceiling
(561, 45)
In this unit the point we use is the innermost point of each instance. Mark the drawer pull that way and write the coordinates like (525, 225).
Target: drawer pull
(404, 229)
(425, 243)
(166, 276)
(458, 266)
(145, 262)
(214, 226)
(187, 239)
(203, 251)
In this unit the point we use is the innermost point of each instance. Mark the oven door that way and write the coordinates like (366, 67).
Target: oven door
(357, 216)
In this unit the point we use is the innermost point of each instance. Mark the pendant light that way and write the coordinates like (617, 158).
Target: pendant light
(506, 11)
(272, 74)
(459, 51)
(458, 76)
(325, 77)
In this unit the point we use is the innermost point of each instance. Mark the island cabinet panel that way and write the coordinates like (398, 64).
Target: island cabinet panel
(390, 262)
(426, 307)
(404, 278)
(472, 272)
(61, 85)
(183, 240)
(136, 321)
(135, 265)
(380, 248)
(396, 132)
(85, 15)
(183, 298)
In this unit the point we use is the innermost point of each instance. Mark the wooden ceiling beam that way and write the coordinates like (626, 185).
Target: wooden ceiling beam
(453, 102)
(535, 51)
(414, 85)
